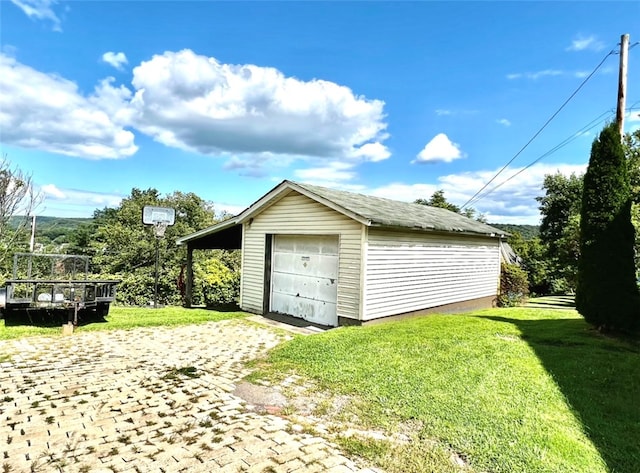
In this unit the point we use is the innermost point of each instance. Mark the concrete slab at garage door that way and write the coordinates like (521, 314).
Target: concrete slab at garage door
(304, 279)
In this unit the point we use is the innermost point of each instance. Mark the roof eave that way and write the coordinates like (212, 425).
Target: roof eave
(209, 230)
(438, 230)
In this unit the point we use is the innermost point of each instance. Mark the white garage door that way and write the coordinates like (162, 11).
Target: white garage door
(304, 278)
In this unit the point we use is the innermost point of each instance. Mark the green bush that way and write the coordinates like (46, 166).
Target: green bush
(514, 285)
(220, 284)
(560, 287)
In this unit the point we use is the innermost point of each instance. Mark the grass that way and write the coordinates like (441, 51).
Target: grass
(121, 318)
(501, 390)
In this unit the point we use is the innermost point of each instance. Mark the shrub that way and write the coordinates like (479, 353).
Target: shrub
(220, 284)
(514, 285)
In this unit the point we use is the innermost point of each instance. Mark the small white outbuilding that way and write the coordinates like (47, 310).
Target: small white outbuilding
(337, 258)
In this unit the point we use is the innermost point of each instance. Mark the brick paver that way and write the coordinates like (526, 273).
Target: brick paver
(154, 399)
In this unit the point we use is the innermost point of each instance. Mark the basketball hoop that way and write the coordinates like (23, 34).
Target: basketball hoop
(159, 228)
(160, 218)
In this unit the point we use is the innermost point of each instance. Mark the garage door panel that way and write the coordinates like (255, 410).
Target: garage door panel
(304, 277)
(322, 289)
(306, 264)
(316, 244)
(314, 311)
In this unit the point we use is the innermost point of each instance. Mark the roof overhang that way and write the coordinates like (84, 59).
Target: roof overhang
(226, 235)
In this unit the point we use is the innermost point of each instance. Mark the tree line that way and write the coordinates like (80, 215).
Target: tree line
(552, 257)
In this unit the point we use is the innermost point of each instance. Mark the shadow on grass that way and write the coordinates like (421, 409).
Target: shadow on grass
(228, 307)
(551, 302)
(49, 318)
(599, 377)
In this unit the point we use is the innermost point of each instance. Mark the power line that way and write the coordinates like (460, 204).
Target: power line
(592, 124)
(540, 130)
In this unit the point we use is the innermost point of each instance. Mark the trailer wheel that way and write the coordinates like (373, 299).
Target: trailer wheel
(102, 309)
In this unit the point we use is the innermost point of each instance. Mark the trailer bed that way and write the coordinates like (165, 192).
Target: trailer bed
(70, 293)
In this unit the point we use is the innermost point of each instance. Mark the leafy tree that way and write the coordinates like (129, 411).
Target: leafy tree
(562, 200)
(534, 262)
(121, 246)
(18, 199)
(219, 277)
(607, 294)
(560, 229)
(438, 199)
(632, 151)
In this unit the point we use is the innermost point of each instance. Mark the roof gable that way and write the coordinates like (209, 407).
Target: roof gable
(376, 211)
(368, 210)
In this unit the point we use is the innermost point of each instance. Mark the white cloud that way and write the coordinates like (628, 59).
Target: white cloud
(74, 202)
(404, 192)
(39, 10)
(195, 103)
(255, 117)
(446, 112)
(117, 60)
(47, 112)
(439, 149)
(373, 152)
(221, 207)
(504, 122)
(582, 43)
(535, 75)
(334, 171)
(50, 190)
(513, 202)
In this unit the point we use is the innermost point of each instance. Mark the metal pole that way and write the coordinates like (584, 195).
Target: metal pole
(32, 242)
(188, 300)
(622, 83)
(155, 294)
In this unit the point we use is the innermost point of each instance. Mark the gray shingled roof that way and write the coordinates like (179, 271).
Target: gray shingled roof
(394, 213)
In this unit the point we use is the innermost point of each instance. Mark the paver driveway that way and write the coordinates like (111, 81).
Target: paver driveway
(155, 399)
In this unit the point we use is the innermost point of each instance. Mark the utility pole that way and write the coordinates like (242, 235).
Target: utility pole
(622, 83)
(32, 242)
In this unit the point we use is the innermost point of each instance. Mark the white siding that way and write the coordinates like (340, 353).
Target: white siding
(297, 214)
(409, 271)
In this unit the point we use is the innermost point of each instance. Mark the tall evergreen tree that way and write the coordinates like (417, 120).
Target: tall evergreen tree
(607, 294)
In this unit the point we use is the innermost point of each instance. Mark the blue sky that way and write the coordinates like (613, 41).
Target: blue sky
(226, 99)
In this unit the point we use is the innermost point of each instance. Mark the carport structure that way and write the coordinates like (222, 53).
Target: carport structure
(334, 258)
(225, 235)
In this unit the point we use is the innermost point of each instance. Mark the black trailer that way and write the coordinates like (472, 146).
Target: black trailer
(53, 283)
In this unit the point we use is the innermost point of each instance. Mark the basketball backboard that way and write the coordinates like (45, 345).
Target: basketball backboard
(154, 215)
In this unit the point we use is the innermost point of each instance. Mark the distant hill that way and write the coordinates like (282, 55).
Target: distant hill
(528, 232)
(56, 229)
(49, 229)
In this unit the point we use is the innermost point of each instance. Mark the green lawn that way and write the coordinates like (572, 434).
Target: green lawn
(121, 318)
(508, 390)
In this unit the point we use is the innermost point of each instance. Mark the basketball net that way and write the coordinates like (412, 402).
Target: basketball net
(159, 229)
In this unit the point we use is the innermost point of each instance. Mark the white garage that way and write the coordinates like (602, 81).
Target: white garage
(337, 258)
